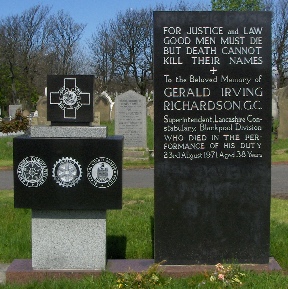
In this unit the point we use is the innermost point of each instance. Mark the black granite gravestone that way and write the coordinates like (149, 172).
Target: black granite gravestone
(68, 173)
(70, 99)
(212, 136)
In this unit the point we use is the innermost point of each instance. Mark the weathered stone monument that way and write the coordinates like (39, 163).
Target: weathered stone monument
(69, 174)
(41, 108)
(283, 112)
(212, 137)
(103, 105)
(275, 108)
(150, 110)
(131, 122)
(13, 109)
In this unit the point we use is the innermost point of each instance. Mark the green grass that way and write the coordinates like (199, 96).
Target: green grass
(6, 148)
(279, 231)
(129, 235)
(279, 148)
(15, 230)
(6, 151)
(131, 226)
(108, 281)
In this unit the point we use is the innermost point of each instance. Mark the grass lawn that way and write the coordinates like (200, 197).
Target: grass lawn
(133, 225)
(130, 235)
(279, 148)
(279, 151)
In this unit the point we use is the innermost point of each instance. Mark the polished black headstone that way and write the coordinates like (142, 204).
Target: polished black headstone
(70, 99)
(68, 173)
(212, 85)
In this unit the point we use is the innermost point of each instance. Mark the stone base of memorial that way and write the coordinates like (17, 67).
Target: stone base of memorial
(21, 270)
(68, 239)
(69, 178)
(135, 154)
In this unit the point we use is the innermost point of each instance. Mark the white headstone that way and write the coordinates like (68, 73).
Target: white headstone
(130, 119)
(13, 108)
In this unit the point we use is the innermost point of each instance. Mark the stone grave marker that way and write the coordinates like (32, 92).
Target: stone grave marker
(26, 113)
(41, 107)
(96, 121)
(131, 122)
(150, 110)
(275, 108)
(103, 105)
(212, 137)
(13, 108)
(69, 174)
(283, 112)
(130, 119)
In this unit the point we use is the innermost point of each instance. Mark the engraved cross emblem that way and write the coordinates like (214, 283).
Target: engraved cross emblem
(213, 70)
(70, 98)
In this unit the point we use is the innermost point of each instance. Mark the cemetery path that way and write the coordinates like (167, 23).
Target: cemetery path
(6, 180)
(279, 182)
(144, 178)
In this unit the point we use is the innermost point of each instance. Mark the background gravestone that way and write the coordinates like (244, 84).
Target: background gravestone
(96, 121)
(275, 108)
(212, 137)
(130, 119)
(283, 112)
(41, 108)
(150, 110)
(13, 109)
(131, 122)
(103, 106)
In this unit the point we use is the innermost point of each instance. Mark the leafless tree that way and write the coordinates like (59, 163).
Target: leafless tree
(133, 34)
(32, 45)
(280, 39)
(64, 34)
(9, 38)
(22, 39)
(103, 56)
(122, 49)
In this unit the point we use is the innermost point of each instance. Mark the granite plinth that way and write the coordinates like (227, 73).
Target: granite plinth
(21, 270)
(68, 239)
(68, 131)
(179, 271)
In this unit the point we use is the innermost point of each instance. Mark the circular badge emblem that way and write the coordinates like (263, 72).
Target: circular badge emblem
(70, 98)
(102, 172)
(67, 172)
(32, 171)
